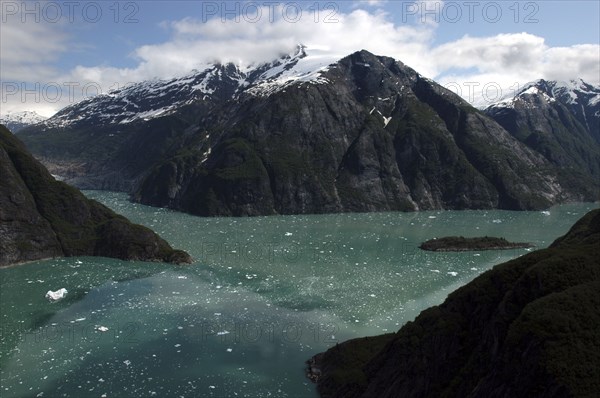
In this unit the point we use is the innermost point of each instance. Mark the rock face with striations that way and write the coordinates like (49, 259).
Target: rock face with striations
(560, 120)
(43, 218)
(300, 135)
(526, 328)
(375, 137)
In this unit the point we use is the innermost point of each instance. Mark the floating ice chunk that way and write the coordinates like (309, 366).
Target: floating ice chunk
(452, 273)
(497, 221)
(182, 277)
(177, 345)
(229, 349)
(102, 329)
(288, 234)
(212, 387)
(372, 295)
(222, 333)
(127, 362)
(79, 319)
(57, 295)
(432, 217)
(435, 270)
(545, 212)
(473, 269)
(476, 255)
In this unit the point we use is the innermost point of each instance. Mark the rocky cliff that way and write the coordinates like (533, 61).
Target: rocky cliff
(301, 135)
(526, 328)
(376, 136)
(560, 120)
(43, 218)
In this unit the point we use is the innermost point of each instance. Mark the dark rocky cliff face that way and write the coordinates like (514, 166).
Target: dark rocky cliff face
(42, 218)
(369, 134)
(526, 328)
(376, 137)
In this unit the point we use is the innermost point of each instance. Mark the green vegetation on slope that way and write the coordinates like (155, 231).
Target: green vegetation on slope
(66, 222)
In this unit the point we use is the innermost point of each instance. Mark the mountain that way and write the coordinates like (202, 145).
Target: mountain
(526, 328)
(16, 121)
(44, 218)
(306, 133)
(560, 120)
(110, 141)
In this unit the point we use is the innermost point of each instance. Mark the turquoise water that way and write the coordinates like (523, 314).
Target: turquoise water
(264, 295)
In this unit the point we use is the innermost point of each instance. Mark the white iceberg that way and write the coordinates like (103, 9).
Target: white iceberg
(57, 295)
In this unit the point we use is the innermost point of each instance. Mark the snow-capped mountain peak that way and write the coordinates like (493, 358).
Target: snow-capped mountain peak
(214, 82)
(545, 104)
(574, 92)
(16, 121)
(301, 66)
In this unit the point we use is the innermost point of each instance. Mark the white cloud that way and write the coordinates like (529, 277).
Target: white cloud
(370, 3)
(509, 61)
(28, 48)
(502, 59)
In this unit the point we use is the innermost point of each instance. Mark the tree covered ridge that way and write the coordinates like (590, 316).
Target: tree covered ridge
(43, 218)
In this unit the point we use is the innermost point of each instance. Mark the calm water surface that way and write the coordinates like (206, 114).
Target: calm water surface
(264, 295)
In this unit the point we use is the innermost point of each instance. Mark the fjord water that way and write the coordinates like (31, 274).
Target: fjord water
(264, 295)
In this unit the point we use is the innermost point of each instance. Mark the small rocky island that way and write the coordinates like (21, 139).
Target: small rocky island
(526, 328)
(43, 218)
(461, 244)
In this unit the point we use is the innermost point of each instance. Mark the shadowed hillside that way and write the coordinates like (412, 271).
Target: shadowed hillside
(43, 218)
(526, 328)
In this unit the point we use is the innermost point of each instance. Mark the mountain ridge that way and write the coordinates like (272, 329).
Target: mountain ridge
(16, 121)
(303, 135)
(43, 218)
(561, 121)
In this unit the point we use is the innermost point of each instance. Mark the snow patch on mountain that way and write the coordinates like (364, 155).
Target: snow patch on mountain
(572, 92)
(215, 82)
(300, 67)
(16, 121)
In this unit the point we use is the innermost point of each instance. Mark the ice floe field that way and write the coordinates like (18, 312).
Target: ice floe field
(264, 295)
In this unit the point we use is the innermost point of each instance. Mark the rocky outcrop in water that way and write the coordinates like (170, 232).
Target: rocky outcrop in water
(44, 218)
(526, 328)
(461, 244)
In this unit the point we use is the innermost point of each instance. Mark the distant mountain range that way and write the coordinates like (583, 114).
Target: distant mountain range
(560, 120)
(311, 133)
(16, 121)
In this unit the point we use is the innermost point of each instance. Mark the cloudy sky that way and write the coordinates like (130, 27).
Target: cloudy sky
(55, 53)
